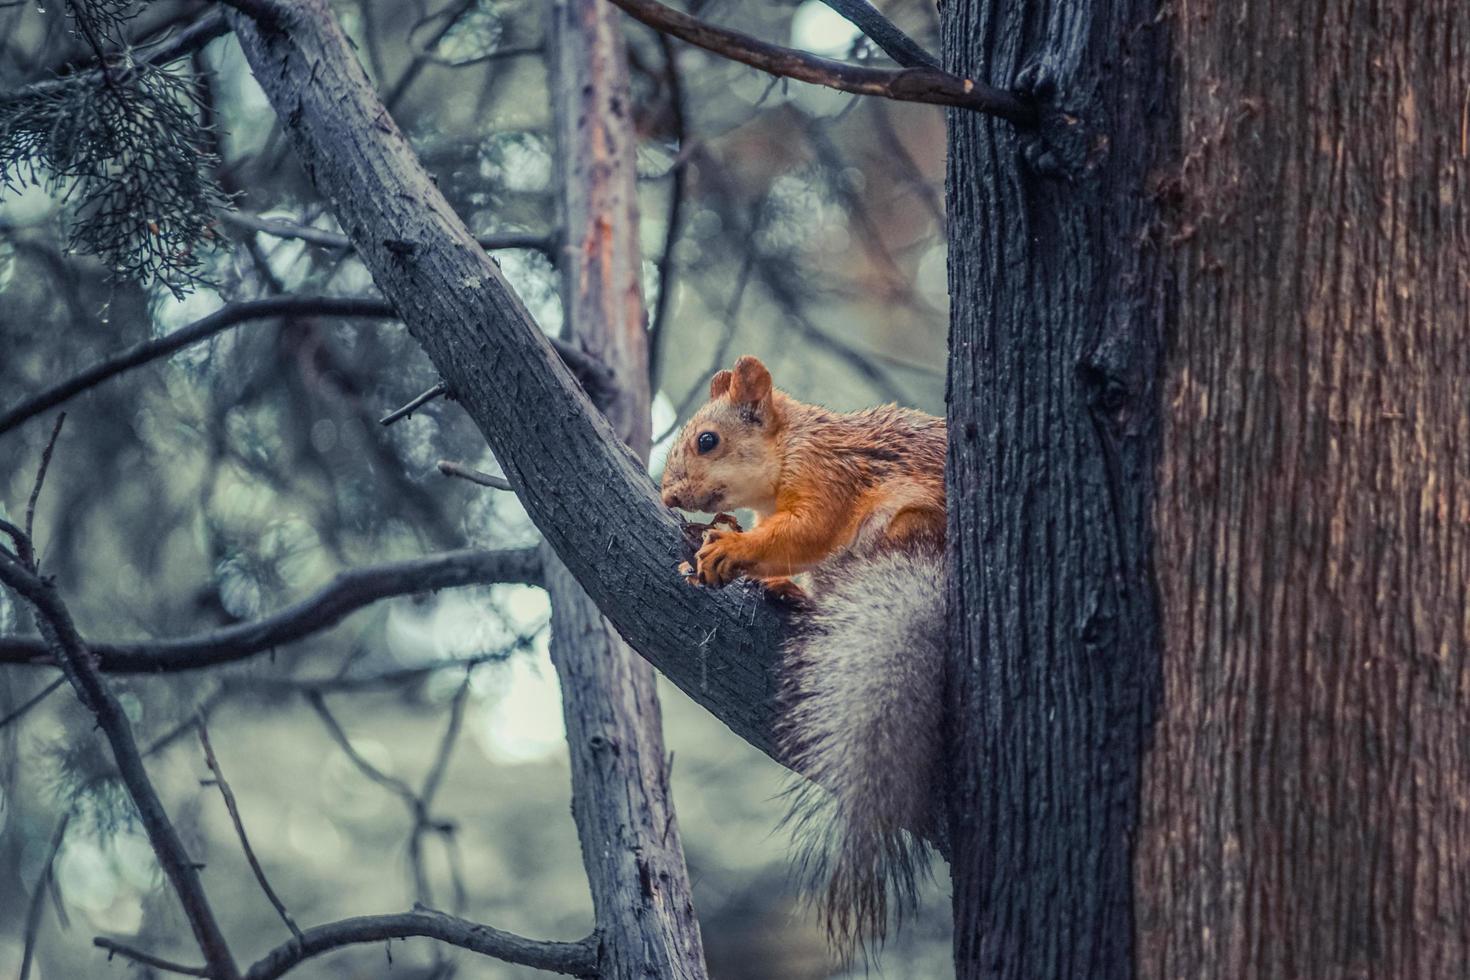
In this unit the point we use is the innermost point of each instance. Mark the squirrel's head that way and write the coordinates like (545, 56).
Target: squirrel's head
(725, 457)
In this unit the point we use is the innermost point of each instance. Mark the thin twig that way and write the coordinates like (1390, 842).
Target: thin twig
(115, 948)
(919, 84)
(34, 700)
(451, 468)
(38, 897)
(678, 190)
(418, 402)
(280, 228)
(234, 808)
(577, 959)
(349, 591)
(41, 481)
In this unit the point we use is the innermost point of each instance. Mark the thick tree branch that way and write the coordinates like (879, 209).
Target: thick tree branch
(593, 375)
(349, 591)
(591, 498)
(577, 959)
(919, 84)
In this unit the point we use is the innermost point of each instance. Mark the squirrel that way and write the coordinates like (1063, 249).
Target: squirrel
(856, 501)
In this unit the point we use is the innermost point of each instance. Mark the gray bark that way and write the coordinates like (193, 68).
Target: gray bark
(630, 839)
(586, 492)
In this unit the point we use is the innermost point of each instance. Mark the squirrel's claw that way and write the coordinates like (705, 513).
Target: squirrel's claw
(716, 563)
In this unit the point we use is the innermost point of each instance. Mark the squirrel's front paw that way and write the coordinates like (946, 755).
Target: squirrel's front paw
(719, 562)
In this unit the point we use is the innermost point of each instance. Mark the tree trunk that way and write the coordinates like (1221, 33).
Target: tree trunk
(1307, 804)
(1057, 312)
(630, 840)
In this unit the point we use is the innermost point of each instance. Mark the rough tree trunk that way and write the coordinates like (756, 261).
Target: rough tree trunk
(1307, 805)
(1056, 321)
(630, 840)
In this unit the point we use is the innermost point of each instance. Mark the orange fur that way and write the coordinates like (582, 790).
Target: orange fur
(821, 482)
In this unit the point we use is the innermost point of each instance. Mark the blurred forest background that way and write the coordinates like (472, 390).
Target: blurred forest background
(241, 474)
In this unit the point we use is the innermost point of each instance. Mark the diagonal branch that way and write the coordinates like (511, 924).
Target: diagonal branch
(593, 375)
(590, 497)
(917, 84)
(76, 662)
(884, 33)
(577, 959)
(349, 591)
(278, 228)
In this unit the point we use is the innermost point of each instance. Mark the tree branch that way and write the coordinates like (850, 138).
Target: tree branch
(590, 497)
(349, 591)
(593, 375)
(278, 228)
(115, 948)
(578, 959)
(884, 33)
(76, 662)
(917, 84)
(234, 809)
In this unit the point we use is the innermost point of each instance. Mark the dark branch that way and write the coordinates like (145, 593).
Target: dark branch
(32, 701)
(922, 84)
(234, 808)
(450, 468)
(577, 959)
(592, 374)
(76, 662)
(199, 330)
(349, 591)
(884, 33)
(278, 228)
(418, 402)
(115, 948)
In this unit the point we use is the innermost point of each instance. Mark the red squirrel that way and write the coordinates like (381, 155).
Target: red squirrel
(856, 501)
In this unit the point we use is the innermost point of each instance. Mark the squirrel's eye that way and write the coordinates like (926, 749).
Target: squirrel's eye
(707, 441)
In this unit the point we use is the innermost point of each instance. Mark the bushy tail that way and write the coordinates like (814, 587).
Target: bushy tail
(862, 699)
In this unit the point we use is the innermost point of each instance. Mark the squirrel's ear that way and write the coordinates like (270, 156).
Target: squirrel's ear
(719, 384)
(751, 382)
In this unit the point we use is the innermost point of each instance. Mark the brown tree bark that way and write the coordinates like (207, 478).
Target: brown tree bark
(1307, 803)
(621, 802)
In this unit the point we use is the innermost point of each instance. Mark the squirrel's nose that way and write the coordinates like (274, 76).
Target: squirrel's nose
(671, 499)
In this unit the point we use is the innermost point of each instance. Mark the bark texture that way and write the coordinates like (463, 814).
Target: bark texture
(591, 497)
(630, 839)
(1307, 804)
(1057, 312)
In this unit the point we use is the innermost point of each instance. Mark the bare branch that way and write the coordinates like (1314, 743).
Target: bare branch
(40, 482)
(578, 959)
(115, 948)
(884, 33)
(43, 881)
(34, 700)
(593, 375)
(451, 468)
(418, 401)
(202, 329)
(920, 84)
(76, 662)
(278, 228)
(234, 809)
(349, 591)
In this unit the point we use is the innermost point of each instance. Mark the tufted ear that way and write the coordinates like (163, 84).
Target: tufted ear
(719, 384)
(751, 382)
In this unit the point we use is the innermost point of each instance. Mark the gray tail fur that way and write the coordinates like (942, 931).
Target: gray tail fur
(862, 699)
